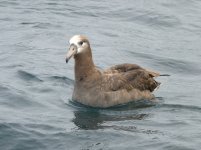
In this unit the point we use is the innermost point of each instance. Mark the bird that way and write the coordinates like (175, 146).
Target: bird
(119, 84)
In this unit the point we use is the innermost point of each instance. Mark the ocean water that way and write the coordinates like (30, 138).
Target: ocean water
(36, 111)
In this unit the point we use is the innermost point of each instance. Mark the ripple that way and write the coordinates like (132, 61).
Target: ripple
(112, 35)
(16, 98)
(24, 75)
(42, 25)
(15, 136)
(173, 65)
(28, 23)
(146, 17)
(3, 88)
(134, 129)
(62, 79)
(156, 19)
(85, 13)
(179, 106)
(52, 3)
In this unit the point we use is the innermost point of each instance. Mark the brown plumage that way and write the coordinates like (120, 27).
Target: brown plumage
(117, 85)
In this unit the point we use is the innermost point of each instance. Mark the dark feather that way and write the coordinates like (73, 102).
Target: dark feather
(129, 76)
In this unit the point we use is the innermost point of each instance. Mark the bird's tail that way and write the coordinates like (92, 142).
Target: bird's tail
(164, 75)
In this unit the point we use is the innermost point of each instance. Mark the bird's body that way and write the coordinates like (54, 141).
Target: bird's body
(105, 88)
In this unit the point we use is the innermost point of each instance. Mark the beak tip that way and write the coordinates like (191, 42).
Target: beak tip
(72, 51)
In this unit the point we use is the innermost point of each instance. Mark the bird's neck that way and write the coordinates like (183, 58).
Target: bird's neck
(84, 65)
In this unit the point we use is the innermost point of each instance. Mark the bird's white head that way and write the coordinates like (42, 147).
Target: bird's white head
(78, 45)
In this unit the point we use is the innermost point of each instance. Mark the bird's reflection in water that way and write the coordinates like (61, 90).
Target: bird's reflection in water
(92, 119)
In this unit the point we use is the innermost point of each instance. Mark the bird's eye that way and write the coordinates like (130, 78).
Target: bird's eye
(80, 43)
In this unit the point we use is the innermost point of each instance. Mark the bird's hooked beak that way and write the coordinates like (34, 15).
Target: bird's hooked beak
(72, 51)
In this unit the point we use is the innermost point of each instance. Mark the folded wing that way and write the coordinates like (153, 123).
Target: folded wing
(130, 76)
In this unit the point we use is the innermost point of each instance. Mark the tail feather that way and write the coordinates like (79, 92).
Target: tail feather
(165, 75)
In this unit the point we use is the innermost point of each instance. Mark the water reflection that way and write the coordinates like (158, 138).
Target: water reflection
(91, 120)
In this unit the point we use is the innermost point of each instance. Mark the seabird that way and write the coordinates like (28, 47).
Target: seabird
(116, 85)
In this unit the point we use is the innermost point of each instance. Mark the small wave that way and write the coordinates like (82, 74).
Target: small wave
(146, 17)
(173, 65)
(134, 129)
(24, 75)
(11, 3)
(16, 98)
(52, 3)
(28, 23)
(85, 13)
(109, 34)
(62, 79)
(13, 66)
(3, 88)
(156, 19)
(19, 137)
(42, 25)
(178, 106)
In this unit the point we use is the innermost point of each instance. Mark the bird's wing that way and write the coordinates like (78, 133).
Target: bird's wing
(129, 67)
(129, 76)
(121, 68)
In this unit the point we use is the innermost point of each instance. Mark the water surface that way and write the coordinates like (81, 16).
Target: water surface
(36, 85)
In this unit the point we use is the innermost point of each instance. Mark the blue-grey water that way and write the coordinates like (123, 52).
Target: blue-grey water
(36, 112)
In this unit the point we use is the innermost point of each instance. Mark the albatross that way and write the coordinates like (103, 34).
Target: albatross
(116, 85)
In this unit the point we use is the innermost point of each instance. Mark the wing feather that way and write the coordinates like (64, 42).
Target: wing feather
(129, 76)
